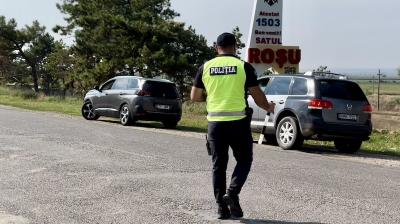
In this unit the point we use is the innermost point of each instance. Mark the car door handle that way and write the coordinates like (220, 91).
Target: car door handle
(281, 102)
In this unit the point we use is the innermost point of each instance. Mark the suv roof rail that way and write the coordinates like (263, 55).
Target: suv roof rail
(329, 75)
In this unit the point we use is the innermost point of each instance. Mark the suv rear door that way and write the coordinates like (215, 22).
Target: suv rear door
(277, 91)
(349, 102)
(262, 82)
(113, 101)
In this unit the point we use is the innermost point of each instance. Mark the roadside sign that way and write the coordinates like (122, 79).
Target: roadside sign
(265, 48)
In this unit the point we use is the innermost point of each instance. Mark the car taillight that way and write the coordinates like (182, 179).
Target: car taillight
(318, 104)
(143, 93)
(367, 108)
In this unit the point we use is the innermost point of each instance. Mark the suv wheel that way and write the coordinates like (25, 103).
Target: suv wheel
(88, 111)
(125, 115)
(170, 124)
(288, 135)
(348, 146)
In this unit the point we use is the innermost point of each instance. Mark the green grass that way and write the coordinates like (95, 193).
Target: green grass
(382, 142)
(193, 118)
(387, 88)
(32, 101)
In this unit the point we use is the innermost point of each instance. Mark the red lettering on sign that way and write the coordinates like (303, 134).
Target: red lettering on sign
(294, 56)
(267, 56)
(281, 57)
(254, 56)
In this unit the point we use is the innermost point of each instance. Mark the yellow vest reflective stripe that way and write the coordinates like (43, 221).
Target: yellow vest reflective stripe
(224, 79)
(226, 114)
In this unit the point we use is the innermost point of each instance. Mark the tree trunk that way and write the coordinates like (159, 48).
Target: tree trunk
(64, 88)
(35, 78)
(47, 84)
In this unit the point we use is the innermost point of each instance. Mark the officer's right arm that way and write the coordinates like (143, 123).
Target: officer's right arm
(260, 99)
(197, 94)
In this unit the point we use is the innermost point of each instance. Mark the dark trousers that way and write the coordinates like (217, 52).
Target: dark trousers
(237, 135)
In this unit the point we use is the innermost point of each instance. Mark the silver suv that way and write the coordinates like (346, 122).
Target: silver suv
(132, 98)
(314, 107)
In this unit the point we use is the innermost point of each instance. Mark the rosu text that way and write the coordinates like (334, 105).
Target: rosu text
(270, 56)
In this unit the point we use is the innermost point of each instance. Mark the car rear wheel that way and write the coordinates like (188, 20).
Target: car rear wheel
(288, 135)
(348, 146)
(125, 117)
(88, 111)
(171, 124)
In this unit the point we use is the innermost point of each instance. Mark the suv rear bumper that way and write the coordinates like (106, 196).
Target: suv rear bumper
(330, 131)
(140, 114)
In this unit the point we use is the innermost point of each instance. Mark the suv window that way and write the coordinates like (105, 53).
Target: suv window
(299, 86)
(341, 90)
(161, 89)
(279, 86)
(133, 84)
(120, 84)
(107, 85)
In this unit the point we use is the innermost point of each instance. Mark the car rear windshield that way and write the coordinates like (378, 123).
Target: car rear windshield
(161, 89)
(341, 90)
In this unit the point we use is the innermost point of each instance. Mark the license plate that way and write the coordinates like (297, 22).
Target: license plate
(162, 107)
(347, 117)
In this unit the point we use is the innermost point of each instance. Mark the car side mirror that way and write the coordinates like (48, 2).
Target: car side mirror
(97, 88)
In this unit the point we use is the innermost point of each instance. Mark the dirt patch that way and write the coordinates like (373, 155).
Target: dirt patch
(6, 218)
(388, 116)
(386, 102)
(386, 121)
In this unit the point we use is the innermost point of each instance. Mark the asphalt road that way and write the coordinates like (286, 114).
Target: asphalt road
(63, 169)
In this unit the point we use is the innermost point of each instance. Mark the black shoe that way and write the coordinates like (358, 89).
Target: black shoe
(223, 212)
(234, 206)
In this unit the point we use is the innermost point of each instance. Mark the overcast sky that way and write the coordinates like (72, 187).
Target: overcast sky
(340, 34)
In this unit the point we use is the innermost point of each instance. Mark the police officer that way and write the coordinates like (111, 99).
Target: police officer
(226, 80)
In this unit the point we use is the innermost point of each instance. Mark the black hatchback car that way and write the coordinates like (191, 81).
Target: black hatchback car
(132, 98)
(314, 106)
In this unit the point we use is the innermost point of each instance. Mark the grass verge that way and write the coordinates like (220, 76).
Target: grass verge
(32, 101)
(381, 142)
(193, 118)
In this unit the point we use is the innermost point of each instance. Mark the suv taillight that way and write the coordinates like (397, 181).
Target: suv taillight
(318, 104)
(367, 108)
(143, 93)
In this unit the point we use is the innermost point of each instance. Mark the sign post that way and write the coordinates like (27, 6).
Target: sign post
(265, 49)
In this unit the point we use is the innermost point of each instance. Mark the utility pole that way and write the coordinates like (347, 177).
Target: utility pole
(373, 85)
(379, 85)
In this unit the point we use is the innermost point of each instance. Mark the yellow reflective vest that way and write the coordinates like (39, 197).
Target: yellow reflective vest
(224, 78)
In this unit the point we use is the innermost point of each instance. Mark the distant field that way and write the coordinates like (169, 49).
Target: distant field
(387, 88)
